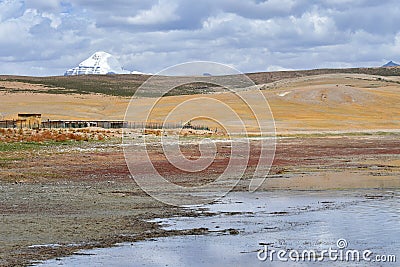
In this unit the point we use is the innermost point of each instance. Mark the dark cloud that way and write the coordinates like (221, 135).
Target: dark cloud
(46, 37)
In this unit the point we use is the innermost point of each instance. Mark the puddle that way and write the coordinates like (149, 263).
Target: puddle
(367, 219)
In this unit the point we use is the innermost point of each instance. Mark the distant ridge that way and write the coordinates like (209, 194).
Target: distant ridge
(126, 85)
(390, 64)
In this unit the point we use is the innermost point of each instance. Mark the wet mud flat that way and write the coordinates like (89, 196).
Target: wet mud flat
(242, 223)
(59, 198)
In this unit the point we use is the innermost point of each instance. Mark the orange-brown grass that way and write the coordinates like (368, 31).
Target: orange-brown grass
(340, 102)
(334, 102)
(27, 135)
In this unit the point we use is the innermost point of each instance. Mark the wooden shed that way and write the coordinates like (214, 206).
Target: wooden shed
(29, 120)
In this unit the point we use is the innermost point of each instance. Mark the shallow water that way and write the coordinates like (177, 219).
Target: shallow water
(366, 219)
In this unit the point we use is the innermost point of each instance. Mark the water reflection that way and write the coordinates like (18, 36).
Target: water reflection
(367, 219)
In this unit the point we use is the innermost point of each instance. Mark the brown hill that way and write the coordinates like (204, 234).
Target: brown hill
(315, 100)
(126, 85)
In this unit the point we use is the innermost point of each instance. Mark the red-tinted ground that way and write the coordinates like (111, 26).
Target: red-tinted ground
(82, 193)
(96, 162)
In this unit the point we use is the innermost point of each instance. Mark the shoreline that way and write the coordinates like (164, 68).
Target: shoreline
(80, 192)
(143, 229)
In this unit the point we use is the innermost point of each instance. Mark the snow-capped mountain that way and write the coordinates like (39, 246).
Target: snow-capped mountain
(391, 64)
(99, 63)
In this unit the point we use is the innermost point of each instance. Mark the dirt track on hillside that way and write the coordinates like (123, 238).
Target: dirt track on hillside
(315, 103)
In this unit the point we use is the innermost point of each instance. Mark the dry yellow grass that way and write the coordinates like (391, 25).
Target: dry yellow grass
(332, 102)
(335, 102)
(69, 106)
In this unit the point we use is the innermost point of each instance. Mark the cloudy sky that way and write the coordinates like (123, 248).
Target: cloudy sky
(46, 37)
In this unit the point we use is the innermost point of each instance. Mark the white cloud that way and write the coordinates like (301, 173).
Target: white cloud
(277, 68)
(44, 5)
(39, 37)
(10, 9)
(160, 13)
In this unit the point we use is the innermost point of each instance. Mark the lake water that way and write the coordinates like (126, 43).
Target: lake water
(280, 220)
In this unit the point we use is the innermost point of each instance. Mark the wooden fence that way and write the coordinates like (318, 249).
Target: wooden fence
(19, 124)
(72, 124)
